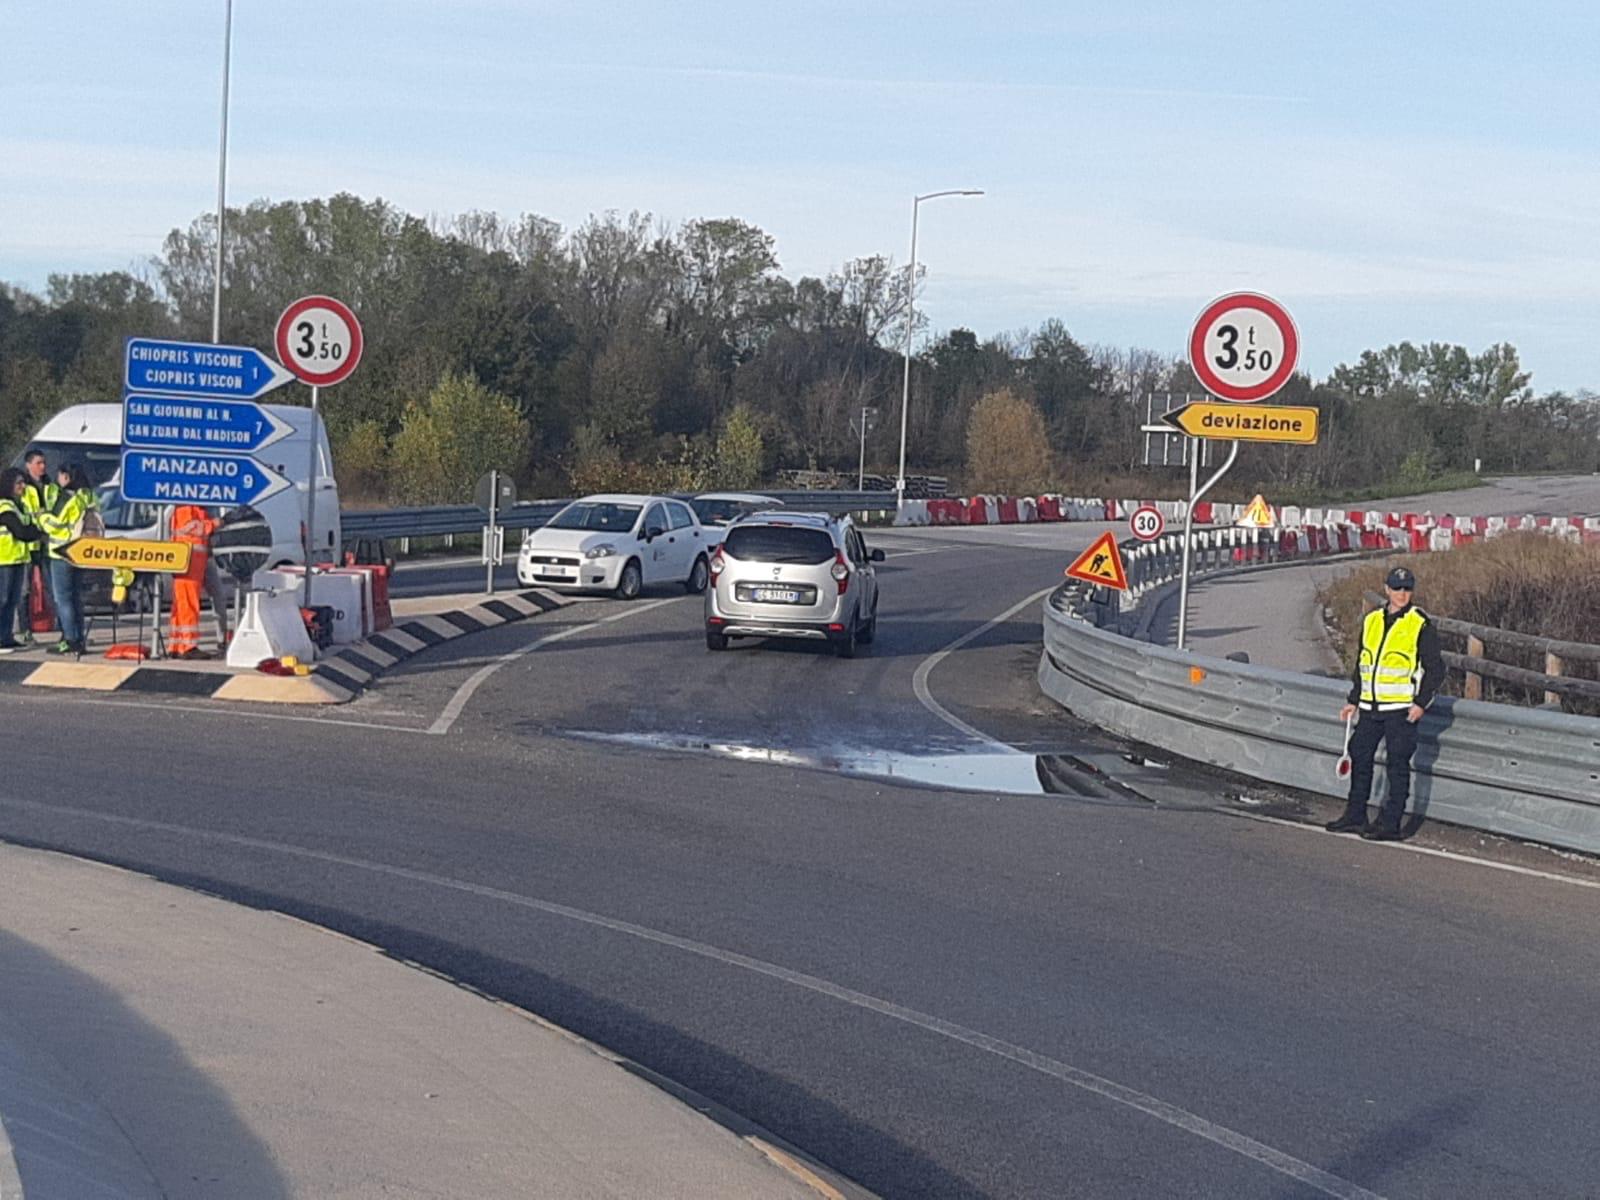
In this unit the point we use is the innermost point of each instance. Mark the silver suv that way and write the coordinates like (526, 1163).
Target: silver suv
(793, 575)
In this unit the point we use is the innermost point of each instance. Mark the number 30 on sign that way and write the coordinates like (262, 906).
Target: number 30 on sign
(319, 339)
(1244, 346)
(1147, 523)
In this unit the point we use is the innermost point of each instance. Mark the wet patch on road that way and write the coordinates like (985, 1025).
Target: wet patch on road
(1011, 773)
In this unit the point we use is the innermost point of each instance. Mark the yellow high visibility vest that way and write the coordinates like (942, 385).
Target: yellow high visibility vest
(1391, 666)
(60, 525)
(12, 551)
(32, 504)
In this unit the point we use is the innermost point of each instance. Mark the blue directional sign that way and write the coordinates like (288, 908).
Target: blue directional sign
(152, 422)
(164, 477)
(201, 369)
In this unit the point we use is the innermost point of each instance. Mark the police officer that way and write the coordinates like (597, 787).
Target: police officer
(1396, 677)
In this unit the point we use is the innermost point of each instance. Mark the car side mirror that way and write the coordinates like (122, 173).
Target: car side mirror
(876, 556)
(652, 532)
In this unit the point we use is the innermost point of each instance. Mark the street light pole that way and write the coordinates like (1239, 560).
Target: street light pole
(911, 294)
(222, 177)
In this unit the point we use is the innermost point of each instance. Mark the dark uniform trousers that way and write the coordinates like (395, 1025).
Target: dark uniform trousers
(1400, 740)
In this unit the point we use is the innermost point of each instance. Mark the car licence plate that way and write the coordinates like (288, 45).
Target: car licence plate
(772, 595)
(549, 569)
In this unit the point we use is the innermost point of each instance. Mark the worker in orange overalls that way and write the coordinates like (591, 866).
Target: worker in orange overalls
(193, 524)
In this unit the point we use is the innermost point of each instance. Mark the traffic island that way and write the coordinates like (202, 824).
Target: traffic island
(336, 679)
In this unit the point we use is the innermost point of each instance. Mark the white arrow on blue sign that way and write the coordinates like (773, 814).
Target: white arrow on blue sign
(201, 369)
(177, 478)
(195, 423)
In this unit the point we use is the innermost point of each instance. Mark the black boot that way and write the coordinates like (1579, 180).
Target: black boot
(1351, 822)
(1382, 831)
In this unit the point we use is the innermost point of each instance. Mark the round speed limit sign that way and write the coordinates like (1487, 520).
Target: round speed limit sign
(319, 339)
(1244, 346)
(1147, 523)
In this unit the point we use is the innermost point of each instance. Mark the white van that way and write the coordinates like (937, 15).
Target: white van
(91, 435)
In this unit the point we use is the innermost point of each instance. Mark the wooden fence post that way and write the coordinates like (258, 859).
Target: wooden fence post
(1553, 666)
(1472, 687)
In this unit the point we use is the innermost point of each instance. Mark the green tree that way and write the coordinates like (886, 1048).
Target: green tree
(361, 462)
(739, 452)
(453, 436)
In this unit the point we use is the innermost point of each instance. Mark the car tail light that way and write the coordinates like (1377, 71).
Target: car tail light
(717, 563)
(840, 571)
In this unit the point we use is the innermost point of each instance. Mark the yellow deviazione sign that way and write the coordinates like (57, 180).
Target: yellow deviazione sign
(1246, 422)
(105, 554)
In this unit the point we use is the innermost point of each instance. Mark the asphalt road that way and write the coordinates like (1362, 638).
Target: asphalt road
(1085, 992)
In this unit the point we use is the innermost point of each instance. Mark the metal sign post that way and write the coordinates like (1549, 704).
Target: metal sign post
(311, 497)
(490, 558)
(494, 493)
(1188, 529)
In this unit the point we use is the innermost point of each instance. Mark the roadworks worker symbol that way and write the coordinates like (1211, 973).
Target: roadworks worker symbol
(1257, 515)
(1101, 563)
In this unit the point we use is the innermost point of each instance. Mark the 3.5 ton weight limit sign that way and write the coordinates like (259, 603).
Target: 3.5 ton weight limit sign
(1244, 347)
(319, 339)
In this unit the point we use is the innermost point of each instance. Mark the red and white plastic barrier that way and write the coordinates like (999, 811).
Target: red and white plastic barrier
(1301, 531)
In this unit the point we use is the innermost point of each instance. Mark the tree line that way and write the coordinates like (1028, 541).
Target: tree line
(626, 353)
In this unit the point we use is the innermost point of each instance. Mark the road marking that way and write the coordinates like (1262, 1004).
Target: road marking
(463, 694)
(1430, 851)
(892, 554)
(919, 681)
(248, 714)
(1170, 1114)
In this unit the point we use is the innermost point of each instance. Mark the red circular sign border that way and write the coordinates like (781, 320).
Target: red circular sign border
(1159, 517)
(280, 340)
(1274, 312)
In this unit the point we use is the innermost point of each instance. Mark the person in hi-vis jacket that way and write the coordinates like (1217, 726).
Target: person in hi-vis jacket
(1397, 675)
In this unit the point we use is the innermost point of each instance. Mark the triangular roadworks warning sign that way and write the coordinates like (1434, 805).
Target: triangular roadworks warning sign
(1257, 515)
(1101, 563)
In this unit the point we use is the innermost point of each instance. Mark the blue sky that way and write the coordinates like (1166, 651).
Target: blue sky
(1415, 170)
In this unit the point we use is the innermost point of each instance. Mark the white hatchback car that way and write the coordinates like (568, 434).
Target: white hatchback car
(616, 543)
(718, 510)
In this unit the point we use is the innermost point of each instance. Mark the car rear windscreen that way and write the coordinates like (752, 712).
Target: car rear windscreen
(778, 544)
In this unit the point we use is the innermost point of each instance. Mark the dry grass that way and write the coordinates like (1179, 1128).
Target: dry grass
(1524, 582)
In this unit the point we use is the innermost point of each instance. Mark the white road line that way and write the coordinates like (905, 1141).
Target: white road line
(1430, 851)
(919, 681)
(463, 694)
(914, 553)
(229, 711)
(1170, 1114)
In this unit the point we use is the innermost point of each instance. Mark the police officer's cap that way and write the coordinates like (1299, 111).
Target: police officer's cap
(1402, 580)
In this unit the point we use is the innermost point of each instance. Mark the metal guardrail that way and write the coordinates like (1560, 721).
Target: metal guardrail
(1156, 565)
(1526, 773)
(452, 519)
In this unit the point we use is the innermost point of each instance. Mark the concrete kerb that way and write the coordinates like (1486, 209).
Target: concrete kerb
(336, 679)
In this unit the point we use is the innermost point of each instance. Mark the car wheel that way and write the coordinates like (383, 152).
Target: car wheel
(698, 574)
(631, 583)
(845, 647)
(870, 629)
(716, 641)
